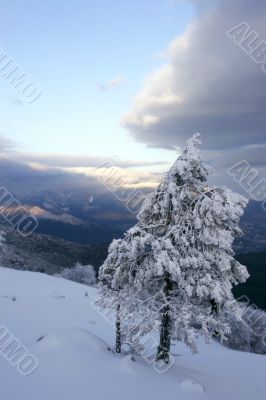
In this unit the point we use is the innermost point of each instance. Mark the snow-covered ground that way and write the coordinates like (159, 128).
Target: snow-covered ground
(74, 362)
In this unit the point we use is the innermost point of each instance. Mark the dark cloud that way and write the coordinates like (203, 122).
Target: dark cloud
(253, 154)
(26, 174)
(210, 85)
(21, 179)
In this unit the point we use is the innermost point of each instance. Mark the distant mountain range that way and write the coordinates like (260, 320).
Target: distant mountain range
(77, 217)
(83, 219)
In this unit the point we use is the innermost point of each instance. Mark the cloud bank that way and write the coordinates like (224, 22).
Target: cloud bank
(210, 85)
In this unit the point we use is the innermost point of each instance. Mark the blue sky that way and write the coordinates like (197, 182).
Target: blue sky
(70, 48)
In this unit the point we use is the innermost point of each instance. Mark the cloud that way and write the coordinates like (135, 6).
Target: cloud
(28, 173)
(99, 192)
(113, 83)
(253, 154)
(208, 84)
(79, 161)
(6, 145)
(20, 178)
(41, 213)
(58, 169)
(29, 176)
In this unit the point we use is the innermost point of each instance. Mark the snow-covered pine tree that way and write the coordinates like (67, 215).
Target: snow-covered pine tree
(178, 259)
(196, 226)
(116, 278)
(109, 296)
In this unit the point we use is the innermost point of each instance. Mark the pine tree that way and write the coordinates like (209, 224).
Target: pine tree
(109, 297)
(117, 276)
(176, 266)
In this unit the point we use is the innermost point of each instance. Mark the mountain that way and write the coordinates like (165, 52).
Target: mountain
(49, 254)
(77, 217)
(82, 218)
(253, 224)
(254, 287)
(67, 355)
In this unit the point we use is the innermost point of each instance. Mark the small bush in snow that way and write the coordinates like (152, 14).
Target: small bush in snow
(80, 273)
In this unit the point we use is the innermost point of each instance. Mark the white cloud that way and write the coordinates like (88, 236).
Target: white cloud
(113, 83)
(6, 145)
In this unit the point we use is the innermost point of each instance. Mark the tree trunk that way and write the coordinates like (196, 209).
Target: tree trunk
(118, 330)
(163, 352)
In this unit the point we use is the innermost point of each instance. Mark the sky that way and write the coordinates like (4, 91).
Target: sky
(89, 59)
(130, 82)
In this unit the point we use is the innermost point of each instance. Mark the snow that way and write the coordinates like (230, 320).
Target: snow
(54, 319)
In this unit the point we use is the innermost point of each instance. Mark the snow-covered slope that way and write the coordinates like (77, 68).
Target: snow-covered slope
(74, 362)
